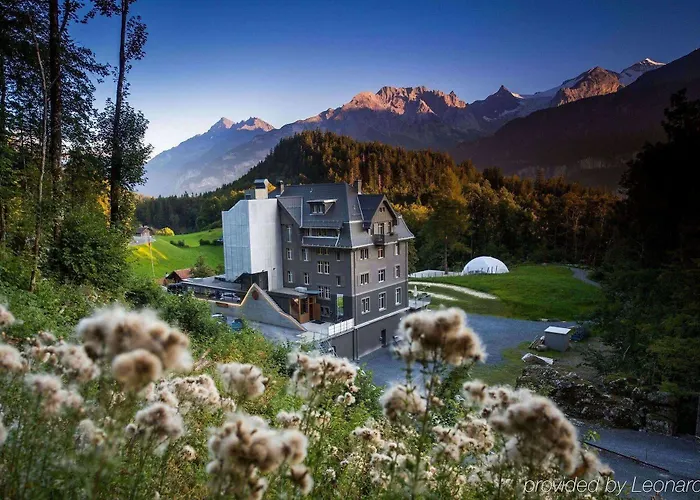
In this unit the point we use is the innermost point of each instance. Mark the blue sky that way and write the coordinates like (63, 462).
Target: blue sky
(288, 60)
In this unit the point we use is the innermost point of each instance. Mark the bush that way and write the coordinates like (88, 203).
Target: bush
(166, 231)
(179, 243)
(88, 252)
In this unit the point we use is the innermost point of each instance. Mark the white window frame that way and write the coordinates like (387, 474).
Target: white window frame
(364, 253)
(305, 254)
(380, 252)
(338, 255)
(338, 280)
(326, 311)
(365, 308)
(397, 271)
(290, 277)
(323, 267)
(289, 254)
(382, 299)
(398, 296)
(324, 292)
(289, 234)
(364, 279)
(307, 279)
(397, 249)
(381, 275)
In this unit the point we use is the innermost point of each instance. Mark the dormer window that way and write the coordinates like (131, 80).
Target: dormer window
(320, 207)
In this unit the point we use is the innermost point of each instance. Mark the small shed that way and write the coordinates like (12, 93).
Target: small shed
(178, 276)
(557, 338)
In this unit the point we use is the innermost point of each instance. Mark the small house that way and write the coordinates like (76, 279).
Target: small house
(557, 338)
(144, 231)
(178, 275)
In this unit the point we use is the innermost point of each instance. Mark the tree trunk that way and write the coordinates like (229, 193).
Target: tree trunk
(56, 108)
(42, 168)
(3, 111)
(116, 170)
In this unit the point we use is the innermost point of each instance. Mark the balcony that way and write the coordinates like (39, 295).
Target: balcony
(384, 239)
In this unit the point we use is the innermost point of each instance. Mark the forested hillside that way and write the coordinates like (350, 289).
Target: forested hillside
(454, 210)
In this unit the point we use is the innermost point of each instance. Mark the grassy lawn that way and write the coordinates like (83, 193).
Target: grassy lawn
(464, 301)
(511, 367)
(167, 257)
(527, 292)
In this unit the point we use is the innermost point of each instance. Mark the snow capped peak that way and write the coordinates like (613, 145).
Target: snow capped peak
(629, 75)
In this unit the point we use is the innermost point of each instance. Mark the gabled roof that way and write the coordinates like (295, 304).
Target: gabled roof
(369, 204)
(183, 274)
(349, 213)
(346, 207)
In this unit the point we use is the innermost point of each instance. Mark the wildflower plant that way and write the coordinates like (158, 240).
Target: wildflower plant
(117, 412)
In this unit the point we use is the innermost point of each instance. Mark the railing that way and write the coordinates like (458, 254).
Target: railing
(331, 329)
(341, 327)
(383, 239)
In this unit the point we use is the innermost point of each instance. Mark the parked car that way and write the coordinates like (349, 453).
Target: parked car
(230, 297)
(237, 325)
(219, 316)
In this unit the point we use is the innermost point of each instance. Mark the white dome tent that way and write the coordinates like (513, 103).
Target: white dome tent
(485, 265)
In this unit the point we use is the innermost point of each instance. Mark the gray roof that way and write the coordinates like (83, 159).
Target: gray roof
(348, 213)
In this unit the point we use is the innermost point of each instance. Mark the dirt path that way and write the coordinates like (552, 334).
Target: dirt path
(582, 274)
(455, 288)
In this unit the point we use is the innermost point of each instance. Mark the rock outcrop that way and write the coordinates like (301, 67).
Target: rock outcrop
(616, 403)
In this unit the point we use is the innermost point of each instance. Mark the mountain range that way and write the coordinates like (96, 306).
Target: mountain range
(409, 117)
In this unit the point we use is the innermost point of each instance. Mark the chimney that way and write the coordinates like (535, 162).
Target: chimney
(358, 185)
(281, 185)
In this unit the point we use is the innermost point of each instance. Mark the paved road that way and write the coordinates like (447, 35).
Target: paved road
(496, 333)
(140, 240)
(582, 274)
(680, 456)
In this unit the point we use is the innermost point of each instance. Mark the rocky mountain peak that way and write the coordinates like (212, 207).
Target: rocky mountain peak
(223, 124)
(254, 123)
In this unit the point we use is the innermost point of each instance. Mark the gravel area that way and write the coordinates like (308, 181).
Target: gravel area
(496, 333)
(456, 288)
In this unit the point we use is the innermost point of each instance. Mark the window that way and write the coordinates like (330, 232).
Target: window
(397, 248)
(325, 311)
(307, 279)
(397, 271)
(305, 254)
(390, 227)
(289, 254)
(365, 305)
(382, 209)
(364, 279)
(321, 251)
(323, 266)
(304, 306)
(364, 253)
(381, 275)
(380, 252)
(382, 301)
(320, 232)
(398, 296)
(338, 255)
(324, 292)
(289, 234)
(317, 208)
(338, 280)
(290, 277)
